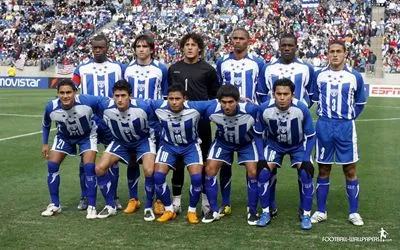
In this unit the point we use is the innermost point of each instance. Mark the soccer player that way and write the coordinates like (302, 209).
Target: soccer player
(237, 130)
(242, 70)
(128, 120)
(340, 95)
(179, 138)
(73, 115)
(301, 74)
(148, 78)
(200, 82)
(97, 77)
(289, 129)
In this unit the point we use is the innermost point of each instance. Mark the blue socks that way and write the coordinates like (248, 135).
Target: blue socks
(352, 189)
(322, 193)
(82, 179)
(252, 194)
(225, 176)
(149, 189)
(263, 187)
(91, 183)
(114, 171)
(195, 189)
(307, 190)
(53, 182)
(272, 186)
(212, 192)
(105, 185)
(162, 188)
(133, 174)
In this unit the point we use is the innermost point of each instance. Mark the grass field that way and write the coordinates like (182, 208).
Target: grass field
(23, 195)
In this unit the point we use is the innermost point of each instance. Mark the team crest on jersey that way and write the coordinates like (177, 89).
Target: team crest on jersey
(101, 84)
(141, 87)
(334, 92)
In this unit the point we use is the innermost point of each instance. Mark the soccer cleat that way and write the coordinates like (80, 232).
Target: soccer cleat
(83, 204)
(177, 208)
(264, 220)
(167, 216)
(319, 217)
(158, 207)
(210, 217)
(306, 222)
(356, 219)
(117, 204)
(133, 206)
(274, 212)
(51, 210)
(91, 213)
(192, 218)
(205, 209)
(149, 215)
(107, 212)
(252, 219)
(225, 210)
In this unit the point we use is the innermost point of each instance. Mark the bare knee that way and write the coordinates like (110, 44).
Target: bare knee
(349, 171)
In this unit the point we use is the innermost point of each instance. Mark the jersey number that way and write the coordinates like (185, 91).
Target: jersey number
(60, 144)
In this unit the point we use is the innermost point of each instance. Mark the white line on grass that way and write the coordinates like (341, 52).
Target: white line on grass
(374, 120)
(386, 107)
(23, 135)
(20, 115)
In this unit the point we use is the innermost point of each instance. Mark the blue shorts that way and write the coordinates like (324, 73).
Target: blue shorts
(336, 141)
(124, 150)
(220, 151)
(168, 153)
(275, 155)
(68, 146)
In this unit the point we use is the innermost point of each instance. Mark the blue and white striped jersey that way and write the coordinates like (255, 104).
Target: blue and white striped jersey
(337, 93)
(242, 73)
(238, 129)
(179, 128)
(299, 72)
(97, 79)
(73, 123)
(147, 81)
(289, 128)
(129, 126)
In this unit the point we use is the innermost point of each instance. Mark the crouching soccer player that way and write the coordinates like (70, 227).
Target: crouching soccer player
(237, 130)
(128, 121)
(289, 129)
(73, 115)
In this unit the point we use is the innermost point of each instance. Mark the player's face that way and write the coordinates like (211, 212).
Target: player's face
(191, 50)
(283, 97)
(228, 105)
(99, 49)
(121, 99)
(336, 56)
(143, 51)
(240, 41)
(287, 47)
(175, 101)
(66, 94)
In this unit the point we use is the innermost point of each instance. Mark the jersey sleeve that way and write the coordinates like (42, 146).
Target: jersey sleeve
(46, 124)
(170, 78)
(360, 97)
(314, 87)
(261, 89)
(164, 81)
(309, 86)
(218, 68)
(212, 83)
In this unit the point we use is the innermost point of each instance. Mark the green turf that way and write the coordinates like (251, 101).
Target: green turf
(23, 195)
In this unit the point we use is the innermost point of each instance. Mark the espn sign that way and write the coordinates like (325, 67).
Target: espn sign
(384, 90)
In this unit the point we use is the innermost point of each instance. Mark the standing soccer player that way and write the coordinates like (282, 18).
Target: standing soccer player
(73, 116)
(237, 130)
(340, 95)
(240, 69)
(200, 82)
(289, 129)
(301, 74)
(148, 78)
(128, 120)
(97, 77)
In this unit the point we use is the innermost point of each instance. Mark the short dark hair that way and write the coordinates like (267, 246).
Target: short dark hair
(122, 85)
(177, 88)
(285, 82)
(288, 35)
(148, 39)
(228, 90)
(196, 38)
(66, 82)
(337, 42)
(100, 37)
(242, 29)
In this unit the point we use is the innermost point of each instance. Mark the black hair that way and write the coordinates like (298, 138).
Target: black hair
(285, 82)
(242, 29)
(177, 88)
(66, 82)
(228, 90)
(122, 85)
(148, 39)
(288, 35)
(337, 42)
(196, 38)
(100, 37)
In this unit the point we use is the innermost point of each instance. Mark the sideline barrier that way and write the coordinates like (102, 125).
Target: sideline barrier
(29, 82)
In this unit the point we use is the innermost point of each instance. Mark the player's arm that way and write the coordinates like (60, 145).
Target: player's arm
(170, 75)
(164, 81)
(219, 73)
(76, 77)
(314, 88)
(309, 134)
(261, 88)
(257, 132)
(46, 125)
(212, 83)
(309, 86)
(359, 96)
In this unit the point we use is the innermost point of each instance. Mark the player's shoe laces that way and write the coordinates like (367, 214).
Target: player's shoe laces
(91, 213)
(306, 222)
(117, 204)
(210, 217)
(192, 218)
(167, 216)
(133, 206)
(319, 217)
(356, 219)
(149, 215)
(252, 219)
(51, 209)
(107, 212)
(177, 208)
(265, 218)
(225, 210)
(83, 204)
(274, 212)
(158, 207)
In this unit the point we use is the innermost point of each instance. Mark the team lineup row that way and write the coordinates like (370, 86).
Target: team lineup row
(261, 135)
